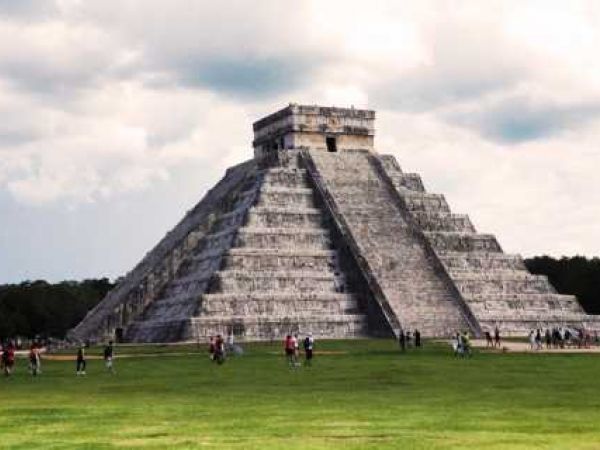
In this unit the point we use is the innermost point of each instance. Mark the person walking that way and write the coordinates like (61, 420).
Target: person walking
(538, 339)
(466, 345)
(288, 346)
(531, 340)
(108, 357)
(81, 362)
(497, 336)
(34, 360)
(402, 341)
(219, 350)
(212, 349)
(309, 343)
(417, 338)
(296, 350)
(8, 358)
(489, 342)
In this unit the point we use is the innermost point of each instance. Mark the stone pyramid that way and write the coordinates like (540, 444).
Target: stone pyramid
(319, 233)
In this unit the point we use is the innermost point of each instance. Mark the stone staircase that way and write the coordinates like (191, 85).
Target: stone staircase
(396, 258)
(167, 317)
(496, 286)
(281, 274)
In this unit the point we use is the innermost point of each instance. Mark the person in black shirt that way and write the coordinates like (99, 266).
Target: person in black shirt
(108, 357)
(81, 363)
(417, 338)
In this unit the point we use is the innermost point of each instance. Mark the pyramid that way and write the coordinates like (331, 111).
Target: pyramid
(319, 233)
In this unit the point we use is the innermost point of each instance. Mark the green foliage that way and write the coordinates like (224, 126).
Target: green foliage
(361, 394)
(578, 276)
(38, 308)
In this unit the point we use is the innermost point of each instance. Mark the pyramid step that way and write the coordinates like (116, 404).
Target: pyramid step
(283, 238)
(273, 259)
(424, 201)
(289, 281)
(457, 262)
(538, 303)
(271, 217)
(288, 177)
(410, 181)
(157, 331)
(296, 304)
(274, 327)
(442, 221)
(462, 242)
(284, 197)
(488, 284)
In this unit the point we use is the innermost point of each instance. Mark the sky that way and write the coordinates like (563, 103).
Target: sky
(117, 116)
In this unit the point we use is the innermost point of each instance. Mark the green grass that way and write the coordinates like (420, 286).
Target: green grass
(370, 397)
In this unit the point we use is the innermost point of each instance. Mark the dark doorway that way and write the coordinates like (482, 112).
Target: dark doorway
(331, 144)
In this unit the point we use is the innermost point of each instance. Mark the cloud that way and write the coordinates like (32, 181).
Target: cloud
(520, 118)
(497, 107)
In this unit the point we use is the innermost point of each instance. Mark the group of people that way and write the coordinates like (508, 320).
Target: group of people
(34, 358)
(8, 355)
(494, 341)
(291, 347)
(461, 345)
(559, 337)
(81, 361)
(405, 339)
(216, 349)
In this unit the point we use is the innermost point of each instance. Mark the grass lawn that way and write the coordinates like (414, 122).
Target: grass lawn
(360, 395)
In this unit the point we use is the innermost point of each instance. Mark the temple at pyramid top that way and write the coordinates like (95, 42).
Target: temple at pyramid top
(316, 127)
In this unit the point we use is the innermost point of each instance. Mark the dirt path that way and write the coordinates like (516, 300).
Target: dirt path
(524, 347)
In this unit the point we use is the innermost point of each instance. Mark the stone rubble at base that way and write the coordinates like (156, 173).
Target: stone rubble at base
(329, 238)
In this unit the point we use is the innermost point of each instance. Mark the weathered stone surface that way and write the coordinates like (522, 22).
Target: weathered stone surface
(319, 233)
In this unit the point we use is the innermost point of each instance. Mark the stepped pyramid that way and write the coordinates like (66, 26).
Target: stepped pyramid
(319, 233)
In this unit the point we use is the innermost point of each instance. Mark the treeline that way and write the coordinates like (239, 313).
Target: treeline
(40, 309)
(577, 276)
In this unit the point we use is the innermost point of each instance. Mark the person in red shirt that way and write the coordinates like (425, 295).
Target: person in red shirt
(8, 359)
(290, 349)
(220, 349)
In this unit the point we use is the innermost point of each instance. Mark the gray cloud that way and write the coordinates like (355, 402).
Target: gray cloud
(520, 119)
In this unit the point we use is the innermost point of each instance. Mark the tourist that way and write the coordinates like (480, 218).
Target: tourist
(408, 337)
(538, 339)
(555, 337)
(309, 343)
(497, 337)
(108, 357)
(596, 338)
(548, 338)
(34, 360)
(81, 363)
(212, 350)
(8, 358)
(219, 349)
(402, 341)
(489, 342)
(531, 340)
(230, 342)
(456, 345)
(289, 349)
(296, 350)
(417, 338)
(466, 345)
